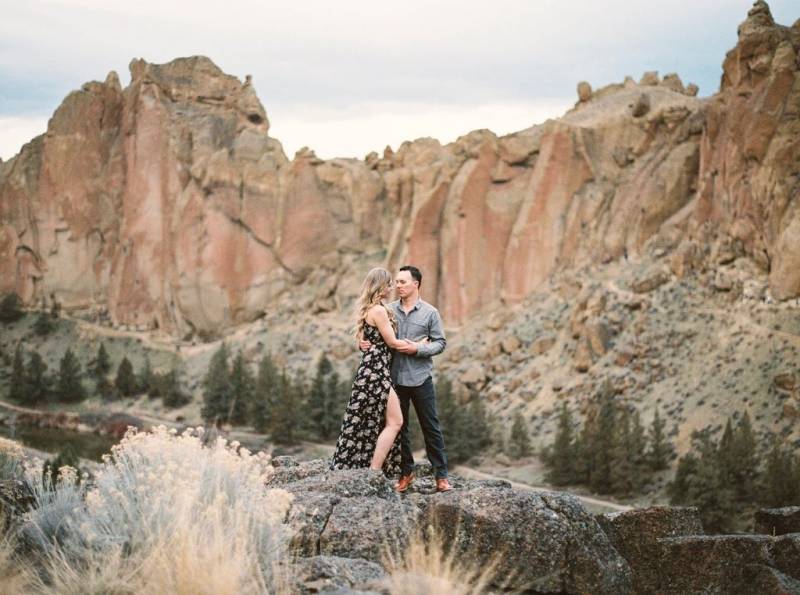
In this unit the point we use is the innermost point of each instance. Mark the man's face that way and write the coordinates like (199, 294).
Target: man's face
(404, 284)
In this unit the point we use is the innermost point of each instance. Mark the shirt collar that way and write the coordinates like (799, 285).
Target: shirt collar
(414, 307)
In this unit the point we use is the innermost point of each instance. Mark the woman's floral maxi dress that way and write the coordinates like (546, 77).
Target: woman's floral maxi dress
(365, 416)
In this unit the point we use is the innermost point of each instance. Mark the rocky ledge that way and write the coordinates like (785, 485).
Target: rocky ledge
(345, 524)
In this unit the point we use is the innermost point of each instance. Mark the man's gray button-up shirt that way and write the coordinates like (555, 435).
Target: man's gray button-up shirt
(422, 321)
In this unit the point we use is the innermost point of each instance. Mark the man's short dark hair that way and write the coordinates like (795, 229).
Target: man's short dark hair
(416, 274)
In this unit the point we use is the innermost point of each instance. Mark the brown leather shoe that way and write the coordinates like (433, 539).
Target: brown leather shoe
(442, 485)
(403, 483)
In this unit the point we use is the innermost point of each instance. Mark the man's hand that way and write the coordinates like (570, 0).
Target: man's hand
(364, 345)
(408, 347)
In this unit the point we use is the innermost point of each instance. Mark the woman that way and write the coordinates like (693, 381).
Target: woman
(372, 421)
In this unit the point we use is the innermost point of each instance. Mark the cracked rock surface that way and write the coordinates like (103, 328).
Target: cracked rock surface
(546, 541)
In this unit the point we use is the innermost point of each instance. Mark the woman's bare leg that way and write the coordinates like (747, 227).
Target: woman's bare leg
(394, 421)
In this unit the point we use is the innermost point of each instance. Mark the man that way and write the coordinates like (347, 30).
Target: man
(412, 365)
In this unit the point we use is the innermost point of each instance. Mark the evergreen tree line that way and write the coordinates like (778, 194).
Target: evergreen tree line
(273, 401)
(469, 429)
(728, 478)
(31, 383)
(611, 453)
(11, 310)
(291, 408)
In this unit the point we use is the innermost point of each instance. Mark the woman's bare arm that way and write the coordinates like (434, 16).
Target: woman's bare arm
(380, 318)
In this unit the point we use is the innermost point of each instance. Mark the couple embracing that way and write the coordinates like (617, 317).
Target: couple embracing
(397, 341)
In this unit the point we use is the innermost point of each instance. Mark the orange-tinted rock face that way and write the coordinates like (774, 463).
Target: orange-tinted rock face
(167, 203)
(750, 154)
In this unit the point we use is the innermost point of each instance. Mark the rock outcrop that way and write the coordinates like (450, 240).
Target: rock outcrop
(168, 205)
(669, 554)
(545, 542)
(750, 149)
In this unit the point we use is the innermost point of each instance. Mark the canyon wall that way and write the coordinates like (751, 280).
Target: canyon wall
(167, 205)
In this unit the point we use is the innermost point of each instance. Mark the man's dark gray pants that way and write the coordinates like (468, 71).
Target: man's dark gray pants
(424, 399)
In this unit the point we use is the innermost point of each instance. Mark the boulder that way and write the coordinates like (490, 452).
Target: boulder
(723, 563)
(635, 535)
(474, 375)
(785, 381)
(649, 279)
(542, 344)
(583, 358)
(584, 91)
(543, 540)
(649, 78)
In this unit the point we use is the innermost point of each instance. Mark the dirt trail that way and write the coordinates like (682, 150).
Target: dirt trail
(469, 472)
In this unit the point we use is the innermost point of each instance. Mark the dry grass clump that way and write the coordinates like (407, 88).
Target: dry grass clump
(428, 565)
(163, 514)
(16, 575)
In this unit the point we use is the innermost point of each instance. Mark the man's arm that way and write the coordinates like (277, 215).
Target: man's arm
(436, 336)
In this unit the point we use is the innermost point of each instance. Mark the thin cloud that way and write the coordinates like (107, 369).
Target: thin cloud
(459, 55)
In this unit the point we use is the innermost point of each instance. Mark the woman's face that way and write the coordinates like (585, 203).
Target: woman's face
(387, 290)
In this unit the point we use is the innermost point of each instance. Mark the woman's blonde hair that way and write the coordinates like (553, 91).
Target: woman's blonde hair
(375, 283)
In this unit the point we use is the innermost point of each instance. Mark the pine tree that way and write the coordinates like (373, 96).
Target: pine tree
(37, 385)
(10, 308)
(581, 460)
(621, 472)
(146, 379)
(499, 442)
(217, 387)
(709, 490)
(101, 365)
(126, 379)
(477, 427)
(319, 399)
(17, 389)
(678, 488)
(745, 470)
(519, 441)
(638, 448)
(561, 457)
(69, 388)
(453, 420)
(331, 421)
(266, 394)
(43, 325)
(780, 484)
(700, 481)
(55, 307)
(725, 454)
(106, 389)
(598, 443)
(660, 450)
(173, 396)
(242, 390)
(287, 413)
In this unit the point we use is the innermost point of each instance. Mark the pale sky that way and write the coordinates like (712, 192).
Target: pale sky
(349, 77)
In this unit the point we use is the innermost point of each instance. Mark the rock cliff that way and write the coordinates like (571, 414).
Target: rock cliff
(167, 205)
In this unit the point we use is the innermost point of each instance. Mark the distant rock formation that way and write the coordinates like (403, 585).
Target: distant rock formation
(167, 204)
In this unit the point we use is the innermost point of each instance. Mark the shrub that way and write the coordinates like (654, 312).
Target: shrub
(163, 514)
(10, 308)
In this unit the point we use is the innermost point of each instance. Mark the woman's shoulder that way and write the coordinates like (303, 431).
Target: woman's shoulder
(377, 309)
(376, 312)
